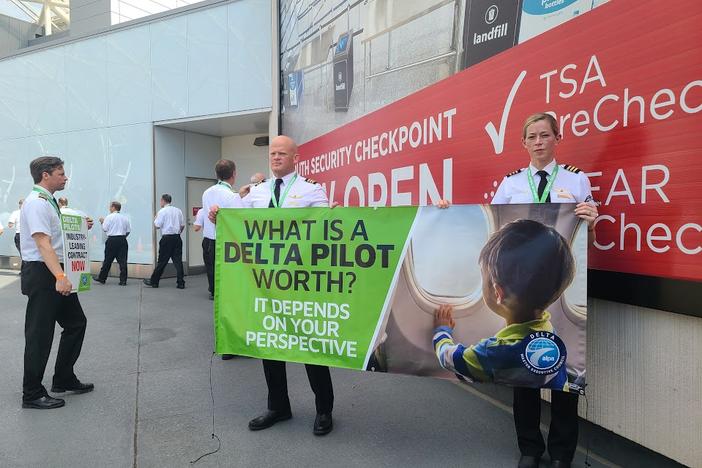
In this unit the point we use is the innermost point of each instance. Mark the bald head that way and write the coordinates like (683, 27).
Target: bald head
(282, 155)
(285, 141)
(257, 177)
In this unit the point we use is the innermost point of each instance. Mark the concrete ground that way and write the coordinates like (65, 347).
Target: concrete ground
(148, 352)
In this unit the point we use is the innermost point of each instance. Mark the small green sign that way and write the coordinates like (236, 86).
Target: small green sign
(85, 282)
(76, 258)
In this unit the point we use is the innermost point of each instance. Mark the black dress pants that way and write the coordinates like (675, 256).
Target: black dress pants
(45, 308)
(277, 380)
(208, 256)
(170, 247)
(563, 432)
(17, 244)
(116, 247)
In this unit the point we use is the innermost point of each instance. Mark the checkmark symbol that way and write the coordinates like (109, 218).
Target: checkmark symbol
(498, 138)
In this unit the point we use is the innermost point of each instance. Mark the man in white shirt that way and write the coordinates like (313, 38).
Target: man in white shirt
(199, 220)
(170, 221)
(288, 190)
(63, 206)
(222, 195)
(49, 292)
(117, 228)
(14, 222)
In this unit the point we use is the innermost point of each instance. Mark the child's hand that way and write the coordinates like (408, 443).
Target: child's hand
(443, 316)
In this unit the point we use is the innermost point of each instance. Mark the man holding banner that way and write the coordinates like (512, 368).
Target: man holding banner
(48, 289)
(289, 190)
(544, 181)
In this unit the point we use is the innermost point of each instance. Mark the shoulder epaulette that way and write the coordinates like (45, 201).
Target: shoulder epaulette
(311, 181)
(570, 168)
(259, 182)
(43, 195)
(514, 172)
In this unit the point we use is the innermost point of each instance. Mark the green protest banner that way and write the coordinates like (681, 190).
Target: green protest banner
(309, 284)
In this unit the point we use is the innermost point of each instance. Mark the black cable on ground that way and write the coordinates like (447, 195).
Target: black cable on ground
(213, 435)
(589, 434)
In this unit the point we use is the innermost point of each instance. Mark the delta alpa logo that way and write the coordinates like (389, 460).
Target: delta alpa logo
(544, 353)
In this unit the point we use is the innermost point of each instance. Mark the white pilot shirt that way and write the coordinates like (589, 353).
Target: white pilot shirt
(222, 195)
(571, 186)
(303, 193)
(199, 218)
(15, 220)
(169, 220)
(116, 224)
(39, 215)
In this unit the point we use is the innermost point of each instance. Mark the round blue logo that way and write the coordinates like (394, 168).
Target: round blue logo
(544, 353)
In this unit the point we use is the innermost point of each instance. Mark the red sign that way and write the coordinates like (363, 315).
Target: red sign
(627, 92)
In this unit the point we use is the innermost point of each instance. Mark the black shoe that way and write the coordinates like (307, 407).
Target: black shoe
(80, 387)
(560, 464)
(98, 280)
(227, 357)
(148, 282)
(45, 402)
(180, 286)
(528, 461)
(211, 297)
(323, 424)
(123, 284)
(267, 419)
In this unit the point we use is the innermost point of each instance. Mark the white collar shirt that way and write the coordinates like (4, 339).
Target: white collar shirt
(169, 220)
(222, 195)
(548, 169)
(295, 192)
(199, 218)
(15, 220)
(116, 224)
(570, 186)
(38, 215)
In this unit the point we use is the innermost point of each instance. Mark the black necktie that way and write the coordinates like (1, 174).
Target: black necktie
(276, 193)
(56, 206)
(542, 185)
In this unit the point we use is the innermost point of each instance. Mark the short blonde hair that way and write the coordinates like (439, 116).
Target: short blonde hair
(537, 117)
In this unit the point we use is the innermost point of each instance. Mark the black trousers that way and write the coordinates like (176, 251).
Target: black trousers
(277, 380)
(170, 247)
(116, 247)
(563, 432)
(208, 256)
(45, 308)
(17, 244)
